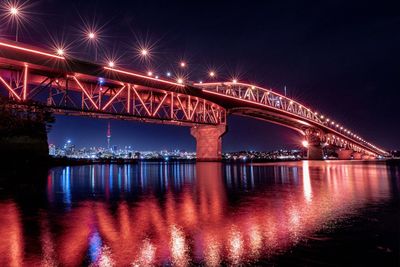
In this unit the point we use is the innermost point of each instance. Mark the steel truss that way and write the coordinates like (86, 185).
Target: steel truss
(91, 96)
(324, 131)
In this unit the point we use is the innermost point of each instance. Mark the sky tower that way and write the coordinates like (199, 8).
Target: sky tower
(108, 135)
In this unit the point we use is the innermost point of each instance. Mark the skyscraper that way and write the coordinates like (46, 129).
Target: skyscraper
(108, 135)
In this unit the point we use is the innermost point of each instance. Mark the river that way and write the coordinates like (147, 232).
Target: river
(306, 213)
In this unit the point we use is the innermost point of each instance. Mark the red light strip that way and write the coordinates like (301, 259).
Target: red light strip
(30, 50)
(183, 108)
(86, 93)
(112, 99)
(25, 82)
(143, 76)
(141, 101)
(10, 89)
(194, 109)
(159, 105)
(129, 98)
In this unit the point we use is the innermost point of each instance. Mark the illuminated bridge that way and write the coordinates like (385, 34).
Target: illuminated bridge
(32, 77)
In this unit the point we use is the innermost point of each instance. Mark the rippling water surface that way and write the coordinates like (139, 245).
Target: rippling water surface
(186, 214)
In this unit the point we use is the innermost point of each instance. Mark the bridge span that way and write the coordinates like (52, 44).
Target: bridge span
(30, 76)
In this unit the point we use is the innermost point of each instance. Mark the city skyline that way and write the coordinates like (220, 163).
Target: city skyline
(156, 137)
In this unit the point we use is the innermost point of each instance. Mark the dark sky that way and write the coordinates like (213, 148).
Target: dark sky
(339, 57)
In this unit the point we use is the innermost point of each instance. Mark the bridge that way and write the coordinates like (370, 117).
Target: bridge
(33, 77)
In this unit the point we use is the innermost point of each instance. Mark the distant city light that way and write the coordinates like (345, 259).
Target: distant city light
(91, 35)
(169, 74)
(182, 64)
(179, 80)
(149, 73)
(211, 74)
(111, 64)
(234, 80)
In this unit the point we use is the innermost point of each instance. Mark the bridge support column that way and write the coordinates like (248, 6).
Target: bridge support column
(357, 155)
(315, 152)
(208, 141)
(344, 154)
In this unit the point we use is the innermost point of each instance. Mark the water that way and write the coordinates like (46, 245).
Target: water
(298, 213)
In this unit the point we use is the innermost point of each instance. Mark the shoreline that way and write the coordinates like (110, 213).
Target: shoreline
(57, 162)
(54, 162)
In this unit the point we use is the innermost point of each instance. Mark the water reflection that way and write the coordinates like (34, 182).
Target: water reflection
(182, 214)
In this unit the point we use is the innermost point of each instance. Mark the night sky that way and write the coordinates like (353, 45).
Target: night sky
(339, 57)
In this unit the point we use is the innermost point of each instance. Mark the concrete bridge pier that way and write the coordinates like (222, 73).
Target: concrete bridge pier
(208, 141)
(344, 154)
(357, 155)
(315, 152)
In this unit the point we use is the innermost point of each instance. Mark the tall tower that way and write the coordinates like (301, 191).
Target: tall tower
(108, 135)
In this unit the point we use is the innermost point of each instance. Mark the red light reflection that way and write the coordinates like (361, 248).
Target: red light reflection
(198, 224)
